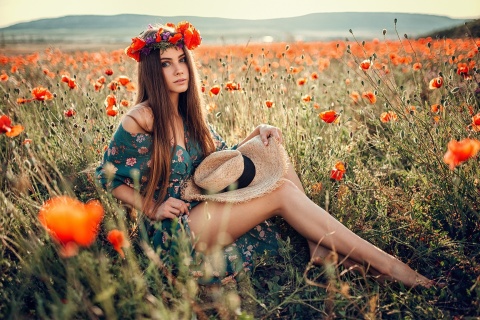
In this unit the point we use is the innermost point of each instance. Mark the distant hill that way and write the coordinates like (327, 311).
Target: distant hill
(315, 26)
(467, 29)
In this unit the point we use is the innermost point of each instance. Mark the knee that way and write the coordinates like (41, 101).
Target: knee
(287, 190)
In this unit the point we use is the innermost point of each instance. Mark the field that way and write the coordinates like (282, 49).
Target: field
(402, 116)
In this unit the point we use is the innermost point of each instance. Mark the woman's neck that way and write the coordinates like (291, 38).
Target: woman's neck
(174, 97)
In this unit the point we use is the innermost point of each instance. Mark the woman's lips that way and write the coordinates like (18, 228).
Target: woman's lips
(180, 81)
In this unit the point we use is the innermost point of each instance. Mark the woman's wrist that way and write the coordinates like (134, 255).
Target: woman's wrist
(149, 210)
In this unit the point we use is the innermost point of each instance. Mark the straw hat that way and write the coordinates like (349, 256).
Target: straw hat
(239, 175)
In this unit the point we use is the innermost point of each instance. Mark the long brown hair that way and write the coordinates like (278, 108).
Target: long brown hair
(152, 87)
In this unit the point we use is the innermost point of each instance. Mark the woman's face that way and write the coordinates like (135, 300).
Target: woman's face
(175, 70)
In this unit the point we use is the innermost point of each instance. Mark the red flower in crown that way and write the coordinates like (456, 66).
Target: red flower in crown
(183, 34)
(191, 36)
(137, 44)
(174, 39)
(158, 36)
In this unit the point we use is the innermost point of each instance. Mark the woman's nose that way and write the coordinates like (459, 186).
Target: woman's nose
(178, 70)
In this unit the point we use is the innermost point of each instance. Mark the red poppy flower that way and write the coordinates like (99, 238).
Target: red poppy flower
(110, 101)
(70, 81)
(436, 83)
(417, 66)
(108, 72)
(117, 239)
(314, 76)
(133, 51)
(302, 81)
(436, 108)
(123, 80)
(232, 86)
(130, 87)
(269, 103)
(174, 39)
(182, 26)
(461, 151)
(191, 38)
(133, 54)
(370, 96)
(476, 119)
(113, 85)
(7, 128)
(388, 116)
(365, 65)
(41, 94)
(215, 90)
(3, 77)
(137, 44)
(69, 113)
(111, 111)
(329, 116)
(71, 223)
(307, 98)
(101, 80)
(476, 122)
(23, 100)
(72, 84)
(5, 124)
(97, 85)
(462, 69)
(355, 96)
(124, 103)
(338, 171)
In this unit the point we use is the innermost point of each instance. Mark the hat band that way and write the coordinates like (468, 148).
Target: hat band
(244, 180)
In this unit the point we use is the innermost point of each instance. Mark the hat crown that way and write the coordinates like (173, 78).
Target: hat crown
(219, 170)
(222, 168)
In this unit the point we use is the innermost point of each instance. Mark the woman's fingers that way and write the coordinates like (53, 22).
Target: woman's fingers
(270, 131)
(169, 216)
(278, 135)
(177, 206)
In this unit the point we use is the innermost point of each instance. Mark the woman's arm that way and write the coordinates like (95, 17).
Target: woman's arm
(133, 198)
(169, 209)
(265, 131)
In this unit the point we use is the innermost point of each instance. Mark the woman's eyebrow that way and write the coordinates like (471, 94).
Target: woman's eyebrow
(179, 57)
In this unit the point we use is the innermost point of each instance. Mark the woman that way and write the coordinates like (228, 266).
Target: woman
(165, 136)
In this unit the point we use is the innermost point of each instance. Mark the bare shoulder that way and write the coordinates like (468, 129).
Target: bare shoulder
(139, 119)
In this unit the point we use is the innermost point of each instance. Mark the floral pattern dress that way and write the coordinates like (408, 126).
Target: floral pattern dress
(127, 161)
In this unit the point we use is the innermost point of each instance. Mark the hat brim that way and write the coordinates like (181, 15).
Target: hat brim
(271, 164)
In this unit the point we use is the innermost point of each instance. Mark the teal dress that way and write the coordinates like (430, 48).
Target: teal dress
(128, 156)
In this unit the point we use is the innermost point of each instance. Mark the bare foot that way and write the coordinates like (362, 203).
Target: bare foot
(401, 273)
(410, 278)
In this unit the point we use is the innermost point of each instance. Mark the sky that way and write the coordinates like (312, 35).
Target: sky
(15, 11)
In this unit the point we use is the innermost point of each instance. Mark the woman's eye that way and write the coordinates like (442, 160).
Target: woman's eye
(165, 64)
(183, 60)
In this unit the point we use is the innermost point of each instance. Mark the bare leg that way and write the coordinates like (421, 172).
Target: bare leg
(318, 253)
(215, 223)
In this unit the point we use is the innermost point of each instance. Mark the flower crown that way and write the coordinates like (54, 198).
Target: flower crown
(168, 36)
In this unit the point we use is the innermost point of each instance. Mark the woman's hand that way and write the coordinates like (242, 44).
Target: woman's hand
(266, 131)
(170, 208)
